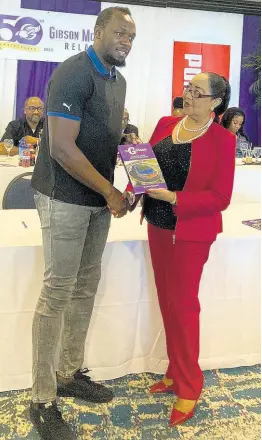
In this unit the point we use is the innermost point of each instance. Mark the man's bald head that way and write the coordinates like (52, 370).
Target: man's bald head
(33, 109)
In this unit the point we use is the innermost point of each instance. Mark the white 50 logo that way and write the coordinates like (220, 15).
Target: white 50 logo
(25, 30)
(133, 150)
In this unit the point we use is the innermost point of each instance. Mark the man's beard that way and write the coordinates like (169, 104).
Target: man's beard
(113, 61)
(35, 119)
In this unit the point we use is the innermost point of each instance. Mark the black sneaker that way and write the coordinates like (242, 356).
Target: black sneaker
(48, 421)
(83, 388)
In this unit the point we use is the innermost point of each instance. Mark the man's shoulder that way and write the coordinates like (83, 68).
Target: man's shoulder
(120, 77)
(17, 122)
(75, 68)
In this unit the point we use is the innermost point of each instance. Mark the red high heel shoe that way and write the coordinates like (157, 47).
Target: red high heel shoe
(178, 417)
(160, 387)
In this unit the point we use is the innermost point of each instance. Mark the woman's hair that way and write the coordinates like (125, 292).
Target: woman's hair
(178, 102)
(220, 88)
(229, 115)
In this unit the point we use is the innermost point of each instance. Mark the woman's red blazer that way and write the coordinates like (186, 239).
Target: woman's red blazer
(209, 184)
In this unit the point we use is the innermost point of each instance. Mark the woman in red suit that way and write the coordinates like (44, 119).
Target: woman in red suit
(197, 158)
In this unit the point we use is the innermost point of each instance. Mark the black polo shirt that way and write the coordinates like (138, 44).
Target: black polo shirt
(20, 128)
(82, 89)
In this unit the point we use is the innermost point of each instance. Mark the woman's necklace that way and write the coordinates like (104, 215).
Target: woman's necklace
(195, 129)
(180, 124)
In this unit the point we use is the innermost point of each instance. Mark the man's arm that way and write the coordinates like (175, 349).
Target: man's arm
(11, 132)
(62, 136)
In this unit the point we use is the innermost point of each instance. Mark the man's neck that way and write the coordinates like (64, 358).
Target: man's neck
(32, 125)
(97, 51)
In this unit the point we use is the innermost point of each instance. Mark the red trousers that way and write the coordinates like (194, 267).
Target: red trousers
(178, 268)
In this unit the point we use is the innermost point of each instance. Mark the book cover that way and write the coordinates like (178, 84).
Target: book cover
(141, 167)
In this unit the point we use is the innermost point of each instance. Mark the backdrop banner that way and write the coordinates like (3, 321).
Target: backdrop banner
(49, 36)
(192, 58)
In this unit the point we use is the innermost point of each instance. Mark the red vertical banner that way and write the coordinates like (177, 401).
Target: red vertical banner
(192, 58)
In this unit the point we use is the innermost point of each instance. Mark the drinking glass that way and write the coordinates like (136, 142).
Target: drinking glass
(257, 153)
(8, 144)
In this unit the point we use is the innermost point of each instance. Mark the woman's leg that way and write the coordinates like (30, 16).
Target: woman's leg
(160, 244)
(182, 309)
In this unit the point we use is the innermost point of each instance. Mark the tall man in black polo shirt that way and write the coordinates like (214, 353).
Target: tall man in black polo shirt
(74, 178)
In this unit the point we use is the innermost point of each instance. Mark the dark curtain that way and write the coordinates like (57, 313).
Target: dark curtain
(71, 6)
(32, 79)
(250, 44)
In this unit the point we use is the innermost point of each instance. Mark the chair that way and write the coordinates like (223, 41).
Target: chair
(19, 194)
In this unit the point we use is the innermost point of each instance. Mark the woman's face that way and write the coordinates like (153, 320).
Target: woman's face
(236, 124)
(196, 103)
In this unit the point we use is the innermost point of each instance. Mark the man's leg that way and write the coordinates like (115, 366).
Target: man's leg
(64, 228)
(78, 314)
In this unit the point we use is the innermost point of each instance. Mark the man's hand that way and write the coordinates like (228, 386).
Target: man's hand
(116, 203)
(31, 140)
(132, 138)
(131, 199)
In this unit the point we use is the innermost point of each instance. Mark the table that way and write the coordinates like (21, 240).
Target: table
(247, 184)
(247, 187)
(126, 328)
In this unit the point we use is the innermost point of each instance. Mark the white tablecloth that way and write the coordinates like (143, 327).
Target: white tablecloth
(247, 187)
(247, 184)
(126, 333)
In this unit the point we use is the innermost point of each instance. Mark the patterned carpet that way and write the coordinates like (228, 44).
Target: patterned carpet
(229, 409)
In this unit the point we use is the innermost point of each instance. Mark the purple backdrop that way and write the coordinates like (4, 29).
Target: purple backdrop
(250, 44)
(33, 76)
(32, 79)
(73, 6)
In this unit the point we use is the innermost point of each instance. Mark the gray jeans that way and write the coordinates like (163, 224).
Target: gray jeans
(74, 239)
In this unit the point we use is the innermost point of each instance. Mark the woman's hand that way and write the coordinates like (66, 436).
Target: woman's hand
(162, 194)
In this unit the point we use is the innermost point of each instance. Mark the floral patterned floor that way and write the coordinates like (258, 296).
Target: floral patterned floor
(229, 409)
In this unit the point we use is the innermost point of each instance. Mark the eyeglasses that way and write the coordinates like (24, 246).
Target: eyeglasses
(195, 93)
(33, 108)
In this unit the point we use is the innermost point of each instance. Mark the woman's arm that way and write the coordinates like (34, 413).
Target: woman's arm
(217, 199)
(158, 134)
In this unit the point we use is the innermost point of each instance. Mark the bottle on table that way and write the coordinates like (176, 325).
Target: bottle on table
(21, 148)
(26, 158)
(32, 155)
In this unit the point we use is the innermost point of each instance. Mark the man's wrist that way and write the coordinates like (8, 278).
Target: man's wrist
(174, 200)
(108, 191)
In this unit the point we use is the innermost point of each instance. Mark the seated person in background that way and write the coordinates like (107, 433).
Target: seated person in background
(178, 107)
(234, 119)
(128, 129)
(28, 126)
